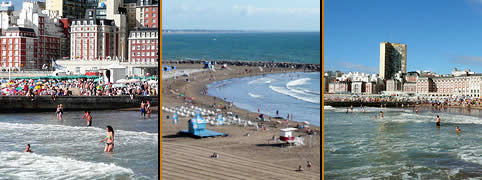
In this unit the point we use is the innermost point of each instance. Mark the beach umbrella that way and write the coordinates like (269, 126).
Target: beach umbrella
(119, 86)
(121, 81)
(133, 80)
(306, 122)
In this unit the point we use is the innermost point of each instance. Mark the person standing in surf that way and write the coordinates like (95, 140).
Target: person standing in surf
(110, 139)
(60, 111)
(458, 130)
(143, 109)
(89, 119)
(437, 123)
(28, 149)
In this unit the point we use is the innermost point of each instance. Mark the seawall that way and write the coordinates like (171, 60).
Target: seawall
(264, 64)
(71, 103)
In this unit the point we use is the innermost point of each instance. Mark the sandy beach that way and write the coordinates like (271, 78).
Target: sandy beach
(245, 153)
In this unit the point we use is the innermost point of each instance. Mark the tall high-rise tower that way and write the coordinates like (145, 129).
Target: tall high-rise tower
(393, 58)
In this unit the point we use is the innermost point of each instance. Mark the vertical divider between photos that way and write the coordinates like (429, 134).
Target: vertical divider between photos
(323, 91)
(159, 19)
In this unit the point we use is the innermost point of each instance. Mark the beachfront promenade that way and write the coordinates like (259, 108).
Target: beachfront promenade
(71, 103)
(368, 104)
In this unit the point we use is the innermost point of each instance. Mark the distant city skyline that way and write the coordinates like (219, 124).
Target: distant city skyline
(269, 15)
(440, 35)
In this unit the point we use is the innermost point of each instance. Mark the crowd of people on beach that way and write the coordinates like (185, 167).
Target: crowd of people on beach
(83, 87)
(401, 101)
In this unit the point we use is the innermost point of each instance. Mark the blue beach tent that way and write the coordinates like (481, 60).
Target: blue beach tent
(197, 128)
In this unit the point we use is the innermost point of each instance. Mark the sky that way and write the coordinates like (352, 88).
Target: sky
(18, 3)
(440, 34)
(264, 15)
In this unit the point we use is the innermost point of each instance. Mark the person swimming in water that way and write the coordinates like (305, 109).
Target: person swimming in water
(28, 149)
(110, 139)
(381, 114)
(437, 123)
(458, 130)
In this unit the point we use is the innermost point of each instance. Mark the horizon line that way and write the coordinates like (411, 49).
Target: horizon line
(236, 30)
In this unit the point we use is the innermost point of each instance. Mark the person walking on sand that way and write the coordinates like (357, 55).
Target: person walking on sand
(300, 169)
(437, 123)
(308, 164)
(110, 139)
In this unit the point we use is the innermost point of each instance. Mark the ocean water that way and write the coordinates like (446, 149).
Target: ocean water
(294, 93)
(302, 47)
(402, 145)
(68, 149)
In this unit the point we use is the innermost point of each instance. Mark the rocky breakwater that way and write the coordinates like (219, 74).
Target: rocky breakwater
(264, 64)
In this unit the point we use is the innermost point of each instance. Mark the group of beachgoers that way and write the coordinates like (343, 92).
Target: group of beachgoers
(308, 165)
(438, 124)
(416, 109)
(109, 139)
(146, 109)
(86, 87)
(88, 117)
(440, 102)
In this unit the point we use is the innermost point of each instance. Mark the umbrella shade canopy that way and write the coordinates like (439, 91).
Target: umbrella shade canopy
(133, 80)
(306, 122)
(152, 82)
(121, 81)
(119, 86)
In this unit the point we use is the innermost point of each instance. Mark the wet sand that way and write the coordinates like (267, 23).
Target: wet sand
(246, 153)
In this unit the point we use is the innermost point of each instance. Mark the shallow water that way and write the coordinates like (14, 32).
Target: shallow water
(294, 93)
(68, 149)
(402, 145)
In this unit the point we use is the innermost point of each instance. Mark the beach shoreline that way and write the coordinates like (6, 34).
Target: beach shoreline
(244, 142)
